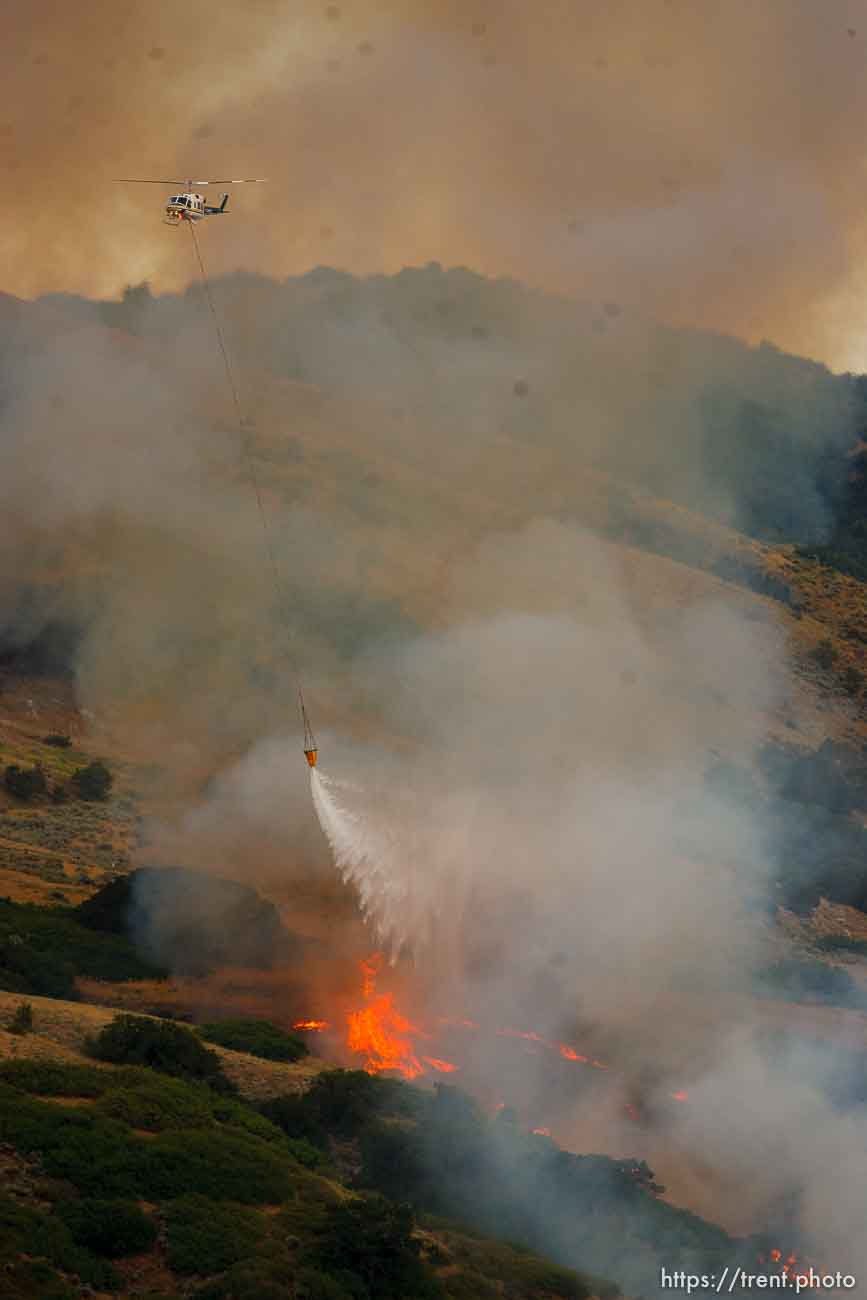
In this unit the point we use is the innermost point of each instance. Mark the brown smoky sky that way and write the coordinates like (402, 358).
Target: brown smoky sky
(697, 161)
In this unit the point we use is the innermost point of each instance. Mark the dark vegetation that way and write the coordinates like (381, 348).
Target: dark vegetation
(92, 782)
(25, 783)
(22, 1021)
(162, 1045)
(110, 1228)
(806, 799)
(799, 980)
(210, 1169)
(846, 548)
(32, 642)
(439, 1153)
(43, 949)
(257, 1037)
(190, 921)
(57, 740)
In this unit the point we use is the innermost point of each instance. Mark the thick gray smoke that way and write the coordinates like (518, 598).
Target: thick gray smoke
(527, 710)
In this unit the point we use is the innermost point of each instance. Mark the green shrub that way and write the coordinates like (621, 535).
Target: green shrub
(25, 783)
(161, 1045)
(110, 1228)
(205, 1236)
(257, 1037)
(371, 1240)
(239, 1115)
(57, 740)
(340, 1103)
(93, 782)
(42, 949)
(101, 1157)
(310, 1284)
(22, 1021)
(252, 1280)
(55, 1079)
(157, 1104)
(221, 1163)
(43, 1237)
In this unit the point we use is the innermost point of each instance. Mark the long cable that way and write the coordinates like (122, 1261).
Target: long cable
(243, 429)
(242, 423)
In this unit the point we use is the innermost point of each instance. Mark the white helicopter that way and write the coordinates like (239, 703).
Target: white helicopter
(190, 206)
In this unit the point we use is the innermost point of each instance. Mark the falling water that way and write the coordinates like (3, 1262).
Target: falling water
(363, 859)
(385, 856)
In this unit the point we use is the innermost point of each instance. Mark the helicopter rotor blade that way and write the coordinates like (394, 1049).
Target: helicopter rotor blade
(136, 180)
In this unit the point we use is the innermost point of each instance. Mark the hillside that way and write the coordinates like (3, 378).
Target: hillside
(124, 1182)
(434, 453)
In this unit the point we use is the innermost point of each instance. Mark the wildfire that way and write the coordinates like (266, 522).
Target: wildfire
(386, 1039)
(370, 969)
(444, 1067)
(790, 1267)
(543, 1132)
(569, 1053)
(383, 1036)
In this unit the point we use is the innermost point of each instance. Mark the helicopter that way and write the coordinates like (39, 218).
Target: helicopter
(190, 206)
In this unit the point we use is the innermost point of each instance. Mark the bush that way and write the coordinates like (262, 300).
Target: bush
(55, 1079)
(102, 1158)
(310, 1284)
(56, 739)
(42, 949)
(824, 654)
(110, 1228)
(161, 1045)
(237, 1114)
(22, 1021)
(371, 1240)
(43, 1237)
(157, 1104)
(204, 1236)
(93, 782)
(25, 782)
(218, 1163)
(257, 1037)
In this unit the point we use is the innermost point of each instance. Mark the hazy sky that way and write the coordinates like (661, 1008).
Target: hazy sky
(698, 161)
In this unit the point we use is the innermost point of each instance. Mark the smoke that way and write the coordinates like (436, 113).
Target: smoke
(550, 857)
(702, 166)
(516, 714)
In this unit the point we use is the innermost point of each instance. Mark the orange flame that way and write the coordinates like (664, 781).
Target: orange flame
(383, 1036)
(543, 1132)
(680, 1096)
(370, 970)
(311, 1025)
(380, 1034)
(444, 1067)
(569, 1053)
